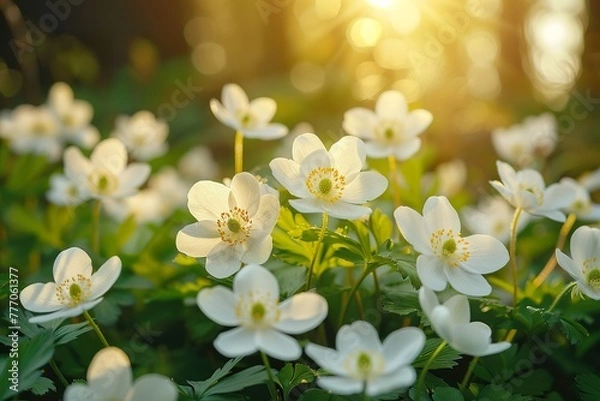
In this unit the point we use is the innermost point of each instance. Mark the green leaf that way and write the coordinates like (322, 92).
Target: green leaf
(574, 331)
(70, 332)
(315, 394)
(401, 303)
(238, 381)
(291, 376)
(445, 359)
(381, 227)
(201, 387)
(42, 385)
(535, 383)
(33, 354)
(495, 392)
(589, 386)
(447, 394)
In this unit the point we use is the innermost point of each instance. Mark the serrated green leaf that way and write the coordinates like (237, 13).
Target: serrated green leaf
(201, 387)
(70, 332)
(589, 386)
(291, 376)
(447, 394)
(42, 385)
(573, 330)
(238, 381)
(401, 303)
(445, 359)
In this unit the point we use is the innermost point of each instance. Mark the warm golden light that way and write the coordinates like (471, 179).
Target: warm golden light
(364, 32)
(382, 3)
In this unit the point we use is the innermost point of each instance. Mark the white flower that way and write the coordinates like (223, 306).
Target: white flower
(492, 216)
(526, 189)
(253, 118)
(171, 187)
(106, 173)
(362, 363)
(198, 163)
(262, 184)
(584, 263)
(591, 180)
(75, 288)
(109, 378)
(34, 130)
(254, 307)
(445, 255)
(452, 322)
(449, 178)
(74, 116)
(582, 204)
(391, 129)
(234, 224)
(146, 206)
(143, 135)
(521, 144)
(330, 182)
(64, 192)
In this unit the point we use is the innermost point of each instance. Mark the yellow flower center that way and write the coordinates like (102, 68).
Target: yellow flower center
(257, 310)
(326, 183)
(390, 131)
(40, 129)
(591, 270)
(537, 192)
(74, 290)
(234, 226)
(103, 181)
(68, 120)
(364, 365)
(450, 246)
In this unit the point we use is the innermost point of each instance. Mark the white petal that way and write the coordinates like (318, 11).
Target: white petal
(132, 178)
(105, 277)
(467, 283)
(348, 155)
(569, 266)
(344, 210)
(340, 385)
(365, 187)
(287, 173)
(267, 133)
(309, 205)
(218, 304)
(507, 175)
(458, 306)
(412, 227)
(417, 121)
(555, 215)
(77, 167)
(585, 243)
(359, 334)
(496, 348)
(304, 145)
(360, 122)
(486, 254)
(40, 297)
(391, 105)
(472, 339)
(441, 322)
(237, 342)
(110, 154)
(440, 215)
(80, 392)
(402, 378)
(378, 150)
(153, 387)
(430, 269)
(197, 239)
(266, 216)
(428, 300)
(301, 313)
(503, 190)
(263, 108)
(317, 159)
(256, 279)
(223, 260)
(234, 98)
(245, 193)
(258, 249)
(208, 199)
(224, 115)
(327, 358)
(278, 345)
(407, 149)
(558, 196)
(71, 262)
(66, 312)
(401, 347)
(110, 374)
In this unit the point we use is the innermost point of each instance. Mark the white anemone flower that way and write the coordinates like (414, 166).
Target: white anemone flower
(143, 134)
(109, 378)
(361, 363)
(526, 189)
(492, 216)
(391, 130)
(64, 192)
(198, 163)
(523, 143)
(329, 181)
(446, 256)
(584, 263)
(452, 322)
(234, 224)
(581, 205)
(591, 180)
(74, 116)
(252, 118)
(74, 290)
(253, 306)
(106, 173)
(35, 130)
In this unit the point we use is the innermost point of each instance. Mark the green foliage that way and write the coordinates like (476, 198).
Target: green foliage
(445, 359)
(589, 386)
(292, 376)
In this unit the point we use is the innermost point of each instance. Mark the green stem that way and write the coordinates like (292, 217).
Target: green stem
(96, 226)
(58, 373)
(353, 290)
(238, 152)
(394, 180)
(512, 250)
(564, 292)
(271, 382)
(313, 261)
(96, 328)
(421, 380)
(467, 378)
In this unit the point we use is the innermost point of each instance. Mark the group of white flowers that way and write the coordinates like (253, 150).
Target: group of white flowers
(235, 220)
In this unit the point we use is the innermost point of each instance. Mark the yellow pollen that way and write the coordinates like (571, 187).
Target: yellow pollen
(326, 183)
(593, 278)
(103, 181)
(449, 247)
(234, 226)
(74, 290)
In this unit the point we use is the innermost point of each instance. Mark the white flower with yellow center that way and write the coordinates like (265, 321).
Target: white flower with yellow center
(361, 363)
(34, 130)
(526, 189)
(581, 205)
(391, 130)
(445, 255)
(75, 288)
(109, 378)
(252, 118)
(492, 216)
(64, 192)
(329, 181)
(262, 320)
(234, 224)
(106, 173)
(584, 263)
(143, 134)
(452, 322)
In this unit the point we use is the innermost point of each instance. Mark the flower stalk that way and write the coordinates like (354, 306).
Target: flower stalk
(562, 294)
(96, 226)
(96, 329)
(393, 166)
(271, 381)
(238, 152)
(421, 380)
(318, 247)
(512, 252)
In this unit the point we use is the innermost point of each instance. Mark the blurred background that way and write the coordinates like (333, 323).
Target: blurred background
(475, 64)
